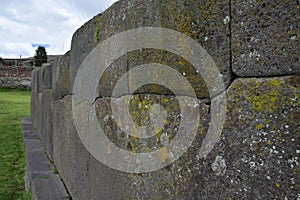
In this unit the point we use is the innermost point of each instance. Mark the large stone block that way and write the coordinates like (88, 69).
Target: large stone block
(265, 38)
(83, 178)
(39, 80)
(194, 19)
(34, 81)
(33, 103)
(32, 106)
(46, 127)
(257, 155)
(105, 183)
(254, 149)
(36, 110)
(46, 72)
(34, 97)
(174, 181)
(83, 42)
(61, 77)
(38, 113)
(63, 142)
(70, 156)
(207, 23)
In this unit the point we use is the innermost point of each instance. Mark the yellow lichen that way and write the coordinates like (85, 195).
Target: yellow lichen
(266, 102)
(201, 129)
(259, 126)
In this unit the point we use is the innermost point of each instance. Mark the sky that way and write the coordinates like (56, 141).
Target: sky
(26, 24)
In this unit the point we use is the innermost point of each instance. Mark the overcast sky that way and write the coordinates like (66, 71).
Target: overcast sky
(24, 24)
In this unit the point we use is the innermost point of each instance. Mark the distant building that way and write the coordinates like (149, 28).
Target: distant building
(13, 67)
(16, 67)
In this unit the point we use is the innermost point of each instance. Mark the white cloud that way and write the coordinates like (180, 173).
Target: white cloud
(27, 22)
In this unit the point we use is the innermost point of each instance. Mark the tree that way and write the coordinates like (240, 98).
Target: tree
(40, 56)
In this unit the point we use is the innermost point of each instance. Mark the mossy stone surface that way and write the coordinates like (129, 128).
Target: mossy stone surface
(265, 37)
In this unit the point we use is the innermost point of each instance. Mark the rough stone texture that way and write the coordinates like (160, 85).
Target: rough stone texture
(106, 183)
(61, 77)
(36, 98)
(46, 76)
(40, 78)
(174, 181)
(63, 143)
(265, 37)
(15, 82)
(46, 130)
(203, 21)
(39, 113)
(46, 109)
(257, 156)
(82, 43)
(33, 99)
(13, 70)
(33, 108)
(34, 81)
(69, 154)
(140, 113)
(258, 143)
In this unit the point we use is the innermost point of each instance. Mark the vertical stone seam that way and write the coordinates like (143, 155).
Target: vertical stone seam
(230, 34)
(234, 76)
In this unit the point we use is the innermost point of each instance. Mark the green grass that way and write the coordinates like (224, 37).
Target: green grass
(14, 105)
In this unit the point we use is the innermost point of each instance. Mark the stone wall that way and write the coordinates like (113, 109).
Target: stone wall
(255, 45)
(12, 71)
(15, 82)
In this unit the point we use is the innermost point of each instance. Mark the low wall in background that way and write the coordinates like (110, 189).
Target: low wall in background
(255, 45)
(10, 71)
(15, 82)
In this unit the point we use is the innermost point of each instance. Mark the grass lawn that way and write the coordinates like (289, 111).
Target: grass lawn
(14, 104)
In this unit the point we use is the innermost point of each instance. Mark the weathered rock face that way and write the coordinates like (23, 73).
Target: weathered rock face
(194, 19)
(61, 77)
(63, 143)
(35, 108)
(46, 110)
(265, 38)
(258, 141)
(256, 155)
(41, 105)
